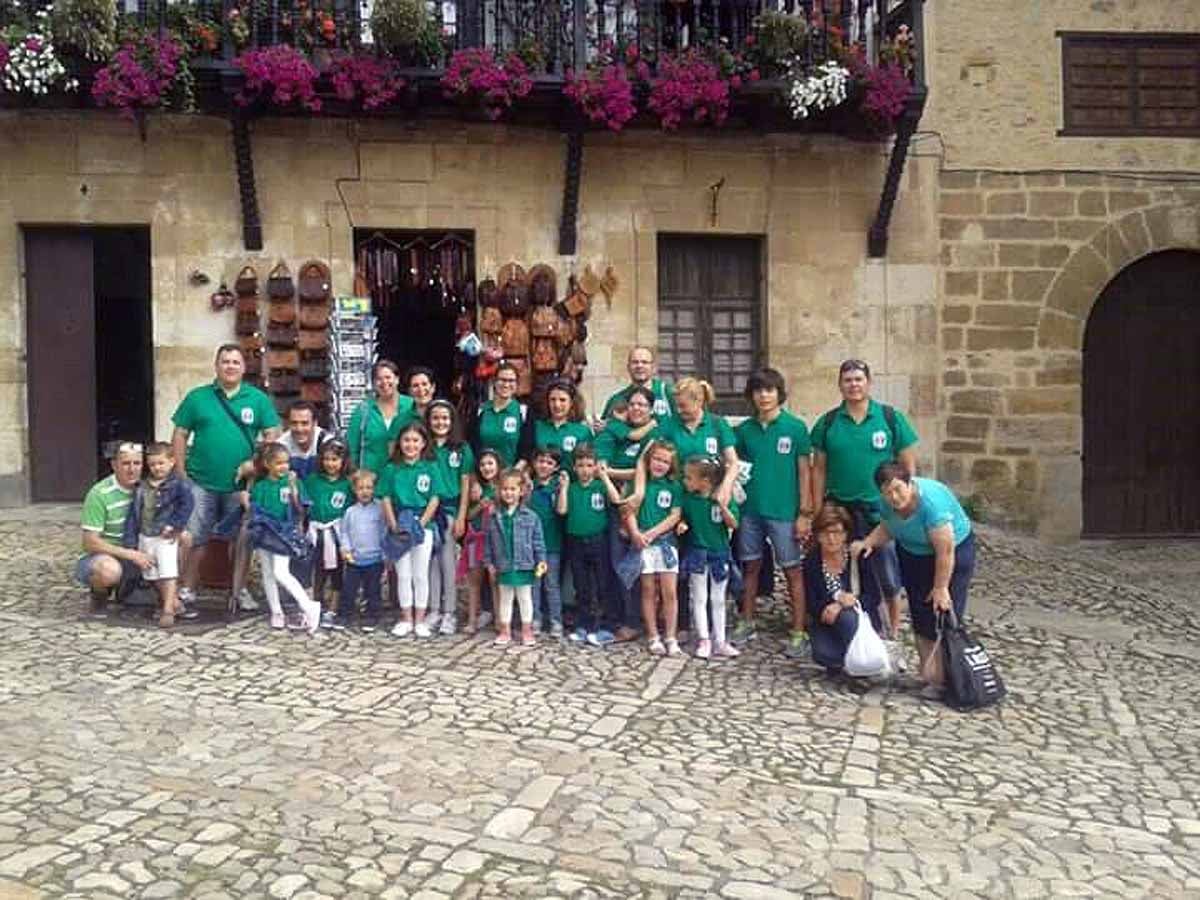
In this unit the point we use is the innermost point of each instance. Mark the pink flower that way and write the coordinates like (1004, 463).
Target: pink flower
(887, 89)
(476, 73)
(373, 81)
(605, 96)
(688, 85)
(279, 73)
(140, 75)
(32, 44)
(754, 75)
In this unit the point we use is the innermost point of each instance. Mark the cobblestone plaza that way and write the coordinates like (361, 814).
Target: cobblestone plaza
(235, 761)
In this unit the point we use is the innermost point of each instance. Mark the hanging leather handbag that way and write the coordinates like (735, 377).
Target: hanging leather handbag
(252, 343)
(543, 322)
(491, 321)
(577, 304)
(314, 391)
(545, 354)
(566, 329)
(246, 324)
(314, 365)
(524, 374)
(253, 362)
(542, 288)
(314, 315)
(246, 283)
(281, 336)
(283, 381)
(279, 282)
(514, 298)
(247, 304)
(281, 312)
(486, 294)
(311, 339)
(283, 360)
(515, 337)
(314, 282)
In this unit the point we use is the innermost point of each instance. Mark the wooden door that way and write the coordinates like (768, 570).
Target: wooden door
(710, 312)
(61, 351)
(1141, 401)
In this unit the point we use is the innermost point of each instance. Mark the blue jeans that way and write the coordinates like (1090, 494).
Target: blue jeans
(369, 579)
(211, 507)
(918, 581)
(586, 557)
(547, 592)
(829, 642)
(753, 533)
(627, 604)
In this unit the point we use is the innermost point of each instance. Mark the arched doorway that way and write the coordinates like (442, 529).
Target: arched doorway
(1141, 401)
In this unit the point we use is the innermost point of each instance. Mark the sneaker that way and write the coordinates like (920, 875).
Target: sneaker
(502, 640)
(726, 651)
(403, 629)
(369, 626)
(556, 629)
(278, 620)
(895, 651)
(673, 647)
(422, 630)
(527, 637)
(743, 632)
(448, 625)
(311, 616)
(578, 636)
(186, 611)
(485, 619)
(601, 638)
(655, 646)
(703, 649)
(537, 626)
(433, 619)
(339, 625)
(246, 601)
(327, 619)
(797, 646)
(187, 595)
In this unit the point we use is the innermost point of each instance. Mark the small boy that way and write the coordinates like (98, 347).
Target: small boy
(360, 535)
(158, 514)
(547, 603)
(584, 502)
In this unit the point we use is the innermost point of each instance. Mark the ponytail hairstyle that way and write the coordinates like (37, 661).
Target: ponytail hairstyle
(709, 470)
(265, 454)
(696, 389)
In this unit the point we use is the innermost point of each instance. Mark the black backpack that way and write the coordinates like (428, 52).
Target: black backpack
(889, 416)
(972, 681)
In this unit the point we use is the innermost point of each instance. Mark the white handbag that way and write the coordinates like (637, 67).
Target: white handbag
(867, 655)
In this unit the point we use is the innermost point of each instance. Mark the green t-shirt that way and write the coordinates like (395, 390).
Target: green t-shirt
(452, 464)
(564, 438)
(410, 485)
(273, 495)
(662, 495)
(854, 450)
(664, 400)
(710, 438)
(706, 525)
(542, 501)
(330, 497)
(587, 509)
(369, 450)
(105, 508)
(775, 450)
(218, 445)
(517, 576)
(501, 431)
(614, 446)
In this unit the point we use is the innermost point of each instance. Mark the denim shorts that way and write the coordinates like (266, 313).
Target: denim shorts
(211, 507)
(754, 531)
(83, 569)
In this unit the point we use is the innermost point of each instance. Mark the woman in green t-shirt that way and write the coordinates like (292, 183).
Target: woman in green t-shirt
(498, 425)
(558, 421)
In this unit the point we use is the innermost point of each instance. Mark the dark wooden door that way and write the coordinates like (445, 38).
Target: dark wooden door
(710, 312)
(1141, 401)
(61, 349)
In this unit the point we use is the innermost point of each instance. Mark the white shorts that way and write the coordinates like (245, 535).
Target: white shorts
(165, 557)
(653, 562)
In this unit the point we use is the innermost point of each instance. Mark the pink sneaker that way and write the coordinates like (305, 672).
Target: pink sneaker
(727, 650)
(278, 620)
(703, 649)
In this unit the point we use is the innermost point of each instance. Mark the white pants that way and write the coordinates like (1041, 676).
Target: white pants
(703, 590)
(443, 593)
(275, 574)
(164, 554)
(523, 593)
(412, 575)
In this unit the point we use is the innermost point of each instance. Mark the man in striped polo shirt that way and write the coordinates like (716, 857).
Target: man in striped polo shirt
(106, 564)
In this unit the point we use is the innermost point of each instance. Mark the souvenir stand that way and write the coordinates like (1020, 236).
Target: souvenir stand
(352, 353)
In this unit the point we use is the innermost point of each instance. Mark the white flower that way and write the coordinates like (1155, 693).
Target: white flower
(824, 89)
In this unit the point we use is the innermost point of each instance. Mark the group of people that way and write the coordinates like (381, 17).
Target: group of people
(525, 505)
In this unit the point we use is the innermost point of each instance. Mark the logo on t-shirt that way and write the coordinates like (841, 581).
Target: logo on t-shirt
(660, 407)
(423, 483)
(454, 459)
(285, 494)
(714, 513)
(783, 446)
(569, 443)
(598, 502)
(247, 415)
(664, 499)
(510, 425)
(710, 446)
(632, 450)
(337, 500)
(879, 440)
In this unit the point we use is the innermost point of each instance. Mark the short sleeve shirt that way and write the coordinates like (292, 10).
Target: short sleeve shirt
(219, 445)
(662, 409)
(936, 506)
(563, 438)
(501, 431)
(410, 485)
(369, 435)
(614, 447)
(453, 462)
(587, 509)
(542, 501)
(706, 526)
(662, 495)
(273, 496)
(774, 450)
(105, 508)
(854, 450)
(710, 438)
(330, 496)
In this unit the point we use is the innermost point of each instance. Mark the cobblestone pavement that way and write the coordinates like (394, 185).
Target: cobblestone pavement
(240, 762)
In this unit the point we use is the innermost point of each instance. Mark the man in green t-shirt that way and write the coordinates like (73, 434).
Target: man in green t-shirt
(850, 441)
(216, 430)
(641, 374)
(107, 563)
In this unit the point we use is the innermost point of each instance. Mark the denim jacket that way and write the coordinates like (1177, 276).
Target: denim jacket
(172, 507)
(529, 547)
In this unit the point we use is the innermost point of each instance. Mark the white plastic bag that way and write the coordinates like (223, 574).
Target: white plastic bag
(867, 655)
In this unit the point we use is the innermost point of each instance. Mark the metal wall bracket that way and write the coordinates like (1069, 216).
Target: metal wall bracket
(252, 236)
(568, 229)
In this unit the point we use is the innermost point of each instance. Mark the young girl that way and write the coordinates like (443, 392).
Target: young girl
(707, 559)
(275, 491)
(409, 491)
(455, 461)
(652, 531)
(329, 490)
(482, 500)
(515, 553)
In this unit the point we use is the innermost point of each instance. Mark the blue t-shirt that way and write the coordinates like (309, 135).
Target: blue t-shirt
(936, 506)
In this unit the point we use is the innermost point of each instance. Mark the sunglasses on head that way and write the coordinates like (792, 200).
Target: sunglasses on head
(854, 365)
(129, 447)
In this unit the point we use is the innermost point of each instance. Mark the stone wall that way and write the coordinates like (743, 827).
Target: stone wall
(1024, 258)
(810, 198)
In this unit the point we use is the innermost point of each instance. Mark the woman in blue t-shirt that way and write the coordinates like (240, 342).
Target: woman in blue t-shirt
(935, 544)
